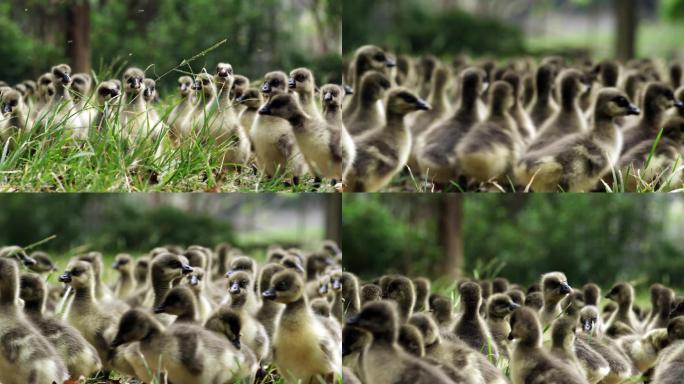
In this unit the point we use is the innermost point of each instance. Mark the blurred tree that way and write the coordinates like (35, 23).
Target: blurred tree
(452, 235)
(333, 218)
(626, 23)
(78, 34)
(673, 9)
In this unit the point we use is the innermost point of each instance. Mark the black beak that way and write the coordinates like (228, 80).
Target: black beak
(265, 110)
(565, 288)
(390, 63)
(678, 104)
(183, 87)
(423, 105)
(336, 284)
(514, 306)
(116, 342)
(266, 88)
(6, 108)
(159, 309)
(323, 289)
(240, 99)
(186, 269)
(327, 96)
(348, 89)
(234, 288)
(147, 92)
(193, 280)
(269, 294)
(27, 260)
(114, 93)
(354, 320)
(633, 110)
(66, 79)
(115, 265)
(196, 86)
(65, 277)
(237, 344)
(510, 336)
(223, 73)
(291, 83)
(587, 325)
(229, 272)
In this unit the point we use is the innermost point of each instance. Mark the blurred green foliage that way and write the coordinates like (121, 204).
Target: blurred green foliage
(108, 222)
(407, 26)
(589, 237)
(158, 35)
(673, 9)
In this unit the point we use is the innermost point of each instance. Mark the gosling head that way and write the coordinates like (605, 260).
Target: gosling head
(427, 327)
(150, 92)
(590, 320)
(225, 321)
(239, 285)
(555, 286)
(572, 84)
(411, 340)
(43, 262)
(659, 98)
(17, 253)
(471, 295)
(134, 325)
(525, 327)
(274, 82)
(133, 81)
(224, 76)
(612, 102)
(286, 287)
(379, 318)
(250, 98)
(354, 340)
(675, 329)
(61, 74)
(374, 84)
(370, 292)
(621, 293)
(204, 85)
(123, 262)
(79, 274)
(240, 86)
(332, 96)
(142, 266)
(169, 266)
(81, 85)
(563, 331)
(372, 58)
(241, 263)
(284, 105)
(500, 305)
(501, 97)
(185, 84)
(177, 301)
(12, 103)
(302, 81)
(107, 91)
(195, 279)
(267, 272)
(401, 101)
(33, 290)
(592, 294)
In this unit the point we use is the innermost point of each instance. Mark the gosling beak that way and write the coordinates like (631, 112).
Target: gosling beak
(678, 104)
(354, 320)
(186, 269)
(65, 277)
(510, 336)
(240, 99)
(348, 89)
(291, 83)
(237, 345)
(183, 87)
(114, 93)
(6, 108)
(234, 288)
(423, 105)
(587, 325)
(193, 280)
(323, 289)
(633, 110)
(197, 86)
(65, 78)
(136, 83)
(147, 92)
(159, 309)
(115, 265)
(269, 294)
(390, 63)
(336, 284)
(228, 273)
(265, 110)
(223, 73)
(266, 88)
(327, 96)
(514, 306)
(565, 288)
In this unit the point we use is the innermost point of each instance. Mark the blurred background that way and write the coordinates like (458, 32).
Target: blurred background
(602, 28)
(136, 223)
(589, 237)
(104, 35)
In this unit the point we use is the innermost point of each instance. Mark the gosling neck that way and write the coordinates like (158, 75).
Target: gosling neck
(160, 287)
(299, 121)
(84, 296)
(333, 113)
(33, 307)
(653, 117)
(296, 314)
(395, 120)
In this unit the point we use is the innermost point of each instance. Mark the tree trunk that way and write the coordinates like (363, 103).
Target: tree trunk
(626, 23)
(78, 35)
(333, 217)
(452, 236)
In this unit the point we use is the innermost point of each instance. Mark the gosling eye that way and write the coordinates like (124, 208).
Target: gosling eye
(205, 82)
(14, 103)
(300, 78)
(76, 272)
(281, 286)
(275, 83)
(175, 264)
(379, 57)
